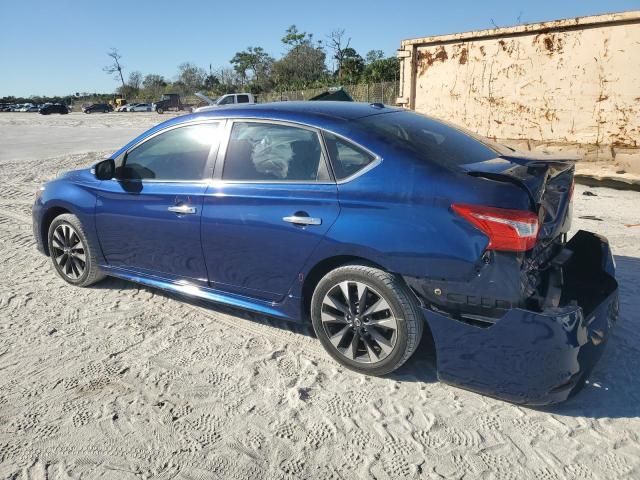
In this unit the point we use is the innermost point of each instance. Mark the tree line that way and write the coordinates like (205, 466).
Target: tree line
(303, 65)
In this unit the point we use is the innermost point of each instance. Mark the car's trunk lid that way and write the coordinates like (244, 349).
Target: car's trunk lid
(546, 179)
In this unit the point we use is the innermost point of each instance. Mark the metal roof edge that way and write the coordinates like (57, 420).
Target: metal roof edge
(529, 28)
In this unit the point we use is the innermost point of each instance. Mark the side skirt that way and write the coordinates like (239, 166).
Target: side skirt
(289, 309)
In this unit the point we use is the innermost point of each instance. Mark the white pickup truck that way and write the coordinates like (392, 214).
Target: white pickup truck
(229, 99)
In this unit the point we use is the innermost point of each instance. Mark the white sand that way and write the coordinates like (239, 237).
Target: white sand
(120, 381)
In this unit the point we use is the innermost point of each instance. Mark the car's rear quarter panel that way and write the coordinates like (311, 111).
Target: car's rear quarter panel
(398, 216)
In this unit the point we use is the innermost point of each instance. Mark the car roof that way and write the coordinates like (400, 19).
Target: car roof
(323, 114)
(310, 110)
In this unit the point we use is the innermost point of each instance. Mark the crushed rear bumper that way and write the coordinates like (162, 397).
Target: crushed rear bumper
(536, 358)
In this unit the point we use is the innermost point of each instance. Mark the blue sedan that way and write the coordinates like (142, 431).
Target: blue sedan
(372, 222)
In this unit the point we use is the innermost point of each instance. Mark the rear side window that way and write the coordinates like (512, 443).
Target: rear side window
(178, 154)
(243, 98)
(429, 139)
(347, 159)
(273, 152)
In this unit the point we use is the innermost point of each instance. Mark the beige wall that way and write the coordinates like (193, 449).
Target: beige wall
(574, 81)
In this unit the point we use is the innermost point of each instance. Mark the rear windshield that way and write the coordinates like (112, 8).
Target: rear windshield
(431, 140)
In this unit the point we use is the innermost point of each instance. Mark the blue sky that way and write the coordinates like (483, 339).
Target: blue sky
(58, 47)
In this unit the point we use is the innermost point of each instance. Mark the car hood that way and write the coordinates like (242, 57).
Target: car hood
(204, 98)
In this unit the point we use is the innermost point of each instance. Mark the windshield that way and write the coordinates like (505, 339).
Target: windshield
(430, 139)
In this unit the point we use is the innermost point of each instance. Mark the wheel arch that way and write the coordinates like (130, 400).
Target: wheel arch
(48, 217)
(323, 267)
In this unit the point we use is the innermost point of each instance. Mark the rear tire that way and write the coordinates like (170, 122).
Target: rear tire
(367, 319)
(71, 253)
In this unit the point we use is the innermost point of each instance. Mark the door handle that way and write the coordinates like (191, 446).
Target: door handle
(301, 220)
(183, 209)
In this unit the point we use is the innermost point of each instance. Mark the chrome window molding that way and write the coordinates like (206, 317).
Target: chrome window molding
(217, 158)
(211, 156)
(377, 159)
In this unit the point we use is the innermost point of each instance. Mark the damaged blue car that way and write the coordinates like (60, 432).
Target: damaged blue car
(371, 222)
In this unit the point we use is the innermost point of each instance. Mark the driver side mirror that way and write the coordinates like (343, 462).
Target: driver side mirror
(105, 170)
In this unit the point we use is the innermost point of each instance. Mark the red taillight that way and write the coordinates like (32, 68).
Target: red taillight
(508, 230)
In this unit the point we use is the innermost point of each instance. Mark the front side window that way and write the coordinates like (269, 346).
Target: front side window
(178, 154)
(347, 159)
(227, 100)
(273, 152)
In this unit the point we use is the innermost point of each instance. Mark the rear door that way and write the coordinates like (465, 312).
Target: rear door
(148, 219)
(271, 203)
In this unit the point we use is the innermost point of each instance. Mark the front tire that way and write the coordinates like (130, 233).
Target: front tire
(73, 256)
(367, 319)
(159, 110)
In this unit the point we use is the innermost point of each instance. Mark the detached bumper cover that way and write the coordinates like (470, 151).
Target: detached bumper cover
(536, 358)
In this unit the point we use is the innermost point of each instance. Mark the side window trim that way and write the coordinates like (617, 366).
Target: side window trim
(224, 143)
(377, 159)
(211, 157)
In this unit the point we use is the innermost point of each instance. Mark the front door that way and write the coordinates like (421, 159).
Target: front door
(272, 202)
(148, 218)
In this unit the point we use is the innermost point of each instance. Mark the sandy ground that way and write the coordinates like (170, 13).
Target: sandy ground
(119, 381)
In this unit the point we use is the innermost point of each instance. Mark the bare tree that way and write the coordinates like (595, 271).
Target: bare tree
(135, 82)
(336, 44)
(115, 68)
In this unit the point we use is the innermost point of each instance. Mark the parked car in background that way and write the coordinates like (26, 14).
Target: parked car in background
(367, 220)
(28, 107)
(126, 108)
(54, 108)
(170, 102)
(121, 108)
(97, 107)
(140, 107)
(229, 99)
